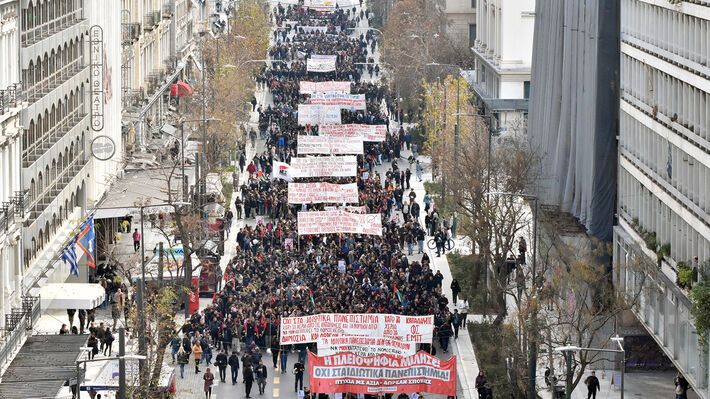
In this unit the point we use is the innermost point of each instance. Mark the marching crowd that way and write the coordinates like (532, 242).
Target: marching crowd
(277, 273)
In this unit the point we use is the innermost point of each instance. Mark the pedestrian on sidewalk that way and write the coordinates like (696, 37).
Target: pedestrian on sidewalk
(109, 338)
(681, 386)
(455, 290)
(221, 362)
(70, 314)
(481, 382)
(248, 380)
(197, 353)
(82, 320)
(136, 240)
(419, 171)
(456, 322)
(209, 380)
(592, 383)
(115, 313)
(234, 366)
(238, 207)
(298, 370)
(261, 374)
(183, 358)
(444, 335)
(463, 310)
(174, 346)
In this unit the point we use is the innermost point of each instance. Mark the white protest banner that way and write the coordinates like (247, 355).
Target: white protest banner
(333, 222)
(321, 63)
(367, 132)
(320, 5)
(316, 193)
(280, 170)
(318, 114)
(345, 166)
(308, 145)
(344, 101)
(305, 329)
(351, 209)
(365, 346)
(311, 29)
(324, 87)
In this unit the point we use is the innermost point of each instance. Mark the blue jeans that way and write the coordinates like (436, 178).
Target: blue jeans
(284, 361)
(208, 358)
(421, 246)
(302, 355)
(174, 352)
(182, 371)
(235, 374)
(410, 247)
(419, 175)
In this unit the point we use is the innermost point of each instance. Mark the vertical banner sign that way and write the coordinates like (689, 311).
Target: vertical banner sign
(96, 59)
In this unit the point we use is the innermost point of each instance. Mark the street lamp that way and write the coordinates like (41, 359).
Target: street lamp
(570, 349)
(532, 360)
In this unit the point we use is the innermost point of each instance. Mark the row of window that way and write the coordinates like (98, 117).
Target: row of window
(681, 34)
(53, 68)
(673, 97)
(43, 18)
(688, 175)
(654, 216)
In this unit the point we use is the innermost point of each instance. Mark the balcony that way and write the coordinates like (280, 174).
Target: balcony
(151, 20)
(10, 98)
(167, 11)
(21, 203)
(55, 187)
(54, 80)
(40, 147)
(33, 35)
(130, 33)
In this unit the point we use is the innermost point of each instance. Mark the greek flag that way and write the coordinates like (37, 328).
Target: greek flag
(69, 256)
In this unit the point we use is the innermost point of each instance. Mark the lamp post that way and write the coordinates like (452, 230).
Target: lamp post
(532, 349)
(569, 350)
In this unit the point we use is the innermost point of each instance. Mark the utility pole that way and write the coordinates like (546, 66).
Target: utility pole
(121, 363)
(142, 350)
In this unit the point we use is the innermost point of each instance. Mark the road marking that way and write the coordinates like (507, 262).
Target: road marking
(276, 380)
(276, 393)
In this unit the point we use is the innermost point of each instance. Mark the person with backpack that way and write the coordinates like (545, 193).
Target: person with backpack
(183, 358)
(108, 338)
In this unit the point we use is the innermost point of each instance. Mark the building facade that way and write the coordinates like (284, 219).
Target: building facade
(461, 17)
(663, 177)
(11, 105)
(503, 55)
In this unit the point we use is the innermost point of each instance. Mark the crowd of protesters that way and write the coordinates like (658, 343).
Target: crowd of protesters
(277, 273)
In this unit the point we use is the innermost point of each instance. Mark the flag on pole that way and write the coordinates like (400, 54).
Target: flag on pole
(310, 293)
(399, 294)
(85, 240)
(69, 256)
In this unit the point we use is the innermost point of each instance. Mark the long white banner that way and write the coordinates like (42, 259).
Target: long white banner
(364, 132)
(318, 114)
(344, 101)
(325, 328)
(324, 87)
(308, 145)
(345, 166)
(316, 193)
(320, 5)
(322, 63)
(333, 222)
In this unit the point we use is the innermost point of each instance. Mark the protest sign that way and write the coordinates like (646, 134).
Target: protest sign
(306, 329)
(321, 63)
(316, 193)
(308, 145)
(320, 5)
(344, 101)
(366, 132)
(333, 222)
(280, 170)
(351, 209)
(324, 87)
(345, 166)
(348, 372)
(318, 114)
(365, 346)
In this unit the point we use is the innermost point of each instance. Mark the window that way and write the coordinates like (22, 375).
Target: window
(473, 4)
(526, 89)
(471, 34)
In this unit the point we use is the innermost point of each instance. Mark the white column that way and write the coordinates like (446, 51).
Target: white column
(18, 269)
(4, 178)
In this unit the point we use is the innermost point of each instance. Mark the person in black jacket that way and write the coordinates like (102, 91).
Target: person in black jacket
(234, 366)
(248, 380)
(481, 384)
(261, 374)
(221, 362)
(298, 370)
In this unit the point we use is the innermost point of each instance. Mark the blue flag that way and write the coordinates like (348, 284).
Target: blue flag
(86, 241)
(69, 256)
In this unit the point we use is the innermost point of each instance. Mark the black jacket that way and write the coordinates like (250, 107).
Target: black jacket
(221, 360)
(248, 374)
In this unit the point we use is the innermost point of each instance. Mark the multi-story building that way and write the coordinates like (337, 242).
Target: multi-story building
(11, 104)
(503, 53)
(574, 110)
(664, 169)
(461, 17)
(158, 41)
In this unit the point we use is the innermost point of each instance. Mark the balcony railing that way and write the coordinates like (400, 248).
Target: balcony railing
(44, 143)
(10, 97)
(55, 187)
(54, 80)
(34, 35)
(7, 216)
(167, 10)
(21, 202)
(130, 32)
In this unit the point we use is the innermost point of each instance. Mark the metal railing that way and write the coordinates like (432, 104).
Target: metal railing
(7, 216)
(42, 144)
(21, 202)
(18, 326)
(52, 190)
(167, 10)
(10, 97)
(33, 35)
(40, 89)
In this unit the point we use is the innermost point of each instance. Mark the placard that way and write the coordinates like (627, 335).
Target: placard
(321, 63)
(318, 114)
(324, 87)
(334, 222)
(308, 145)
(344, 101)
(316, 193)
(365, 346)
(348, 372)
(306, 329)
(344, 166)
(365, 132)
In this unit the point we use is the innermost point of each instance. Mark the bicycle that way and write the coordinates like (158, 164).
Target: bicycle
(450, 244)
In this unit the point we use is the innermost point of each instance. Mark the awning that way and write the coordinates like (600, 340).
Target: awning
(107, 378)
(180, 89)
(71, 296)
(111, 213)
